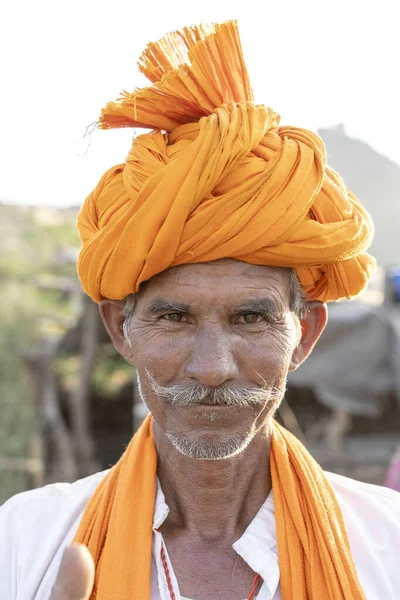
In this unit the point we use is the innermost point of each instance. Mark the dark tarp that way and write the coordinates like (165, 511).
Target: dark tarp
(356, 363)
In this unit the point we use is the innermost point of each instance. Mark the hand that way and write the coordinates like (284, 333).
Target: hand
(76, 575)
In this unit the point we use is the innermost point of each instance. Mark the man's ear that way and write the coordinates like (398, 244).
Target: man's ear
(312, 325)
(113, 319)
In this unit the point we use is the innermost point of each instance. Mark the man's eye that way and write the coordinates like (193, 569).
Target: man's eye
(173, 317)
(252, 318)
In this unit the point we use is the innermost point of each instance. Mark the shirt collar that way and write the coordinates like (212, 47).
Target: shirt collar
(258, 545)
(161, 509)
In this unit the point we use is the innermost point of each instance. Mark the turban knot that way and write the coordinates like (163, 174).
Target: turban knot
(217, 177)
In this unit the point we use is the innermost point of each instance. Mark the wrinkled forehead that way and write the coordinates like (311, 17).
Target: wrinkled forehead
(221, 278)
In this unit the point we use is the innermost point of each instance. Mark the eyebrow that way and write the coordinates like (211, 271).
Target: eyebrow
(253, 305)
(259, 305)
(161, 305)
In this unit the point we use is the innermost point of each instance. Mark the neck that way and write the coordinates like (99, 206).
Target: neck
(214, 499)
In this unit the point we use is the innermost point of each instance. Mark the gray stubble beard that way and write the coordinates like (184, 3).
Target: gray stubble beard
(242, 397)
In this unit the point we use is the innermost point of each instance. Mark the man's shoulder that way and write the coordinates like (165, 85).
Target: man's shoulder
(35, 526)
(372, 517)
(52, 509)
(352, 492)
(371, 513)
(53, 497)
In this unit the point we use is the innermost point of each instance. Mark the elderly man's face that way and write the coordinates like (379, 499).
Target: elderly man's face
(212, 344)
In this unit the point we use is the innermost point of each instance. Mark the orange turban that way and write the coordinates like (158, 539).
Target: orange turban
(217, 177)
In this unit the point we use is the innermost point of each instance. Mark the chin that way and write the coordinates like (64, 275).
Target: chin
(207, 446)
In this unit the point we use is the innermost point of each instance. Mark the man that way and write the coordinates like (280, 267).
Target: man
(211, 252)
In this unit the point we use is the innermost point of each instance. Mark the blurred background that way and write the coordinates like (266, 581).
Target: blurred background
(68, 402)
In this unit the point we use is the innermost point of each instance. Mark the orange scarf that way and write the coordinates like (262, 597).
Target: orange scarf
(217, 178)
(313, 550)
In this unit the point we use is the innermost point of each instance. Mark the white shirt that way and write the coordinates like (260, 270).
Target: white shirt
(36, 526)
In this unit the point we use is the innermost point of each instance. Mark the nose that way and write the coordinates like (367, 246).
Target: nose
(212, 361)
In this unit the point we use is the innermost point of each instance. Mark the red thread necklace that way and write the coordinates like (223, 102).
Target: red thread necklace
(253, 590)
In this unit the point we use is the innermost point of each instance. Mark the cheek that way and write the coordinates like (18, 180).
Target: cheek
(164, 355)
(269, 357)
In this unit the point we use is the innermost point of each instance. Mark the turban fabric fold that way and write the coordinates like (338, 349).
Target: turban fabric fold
(216, 178)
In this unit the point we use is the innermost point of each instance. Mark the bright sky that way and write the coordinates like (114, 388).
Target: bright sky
(316, 62)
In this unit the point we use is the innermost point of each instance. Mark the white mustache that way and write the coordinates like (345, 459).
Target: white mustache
(194, 395)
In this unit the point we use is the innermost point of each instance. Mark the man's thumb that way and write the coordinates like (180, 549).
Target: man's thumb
(76, 575)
